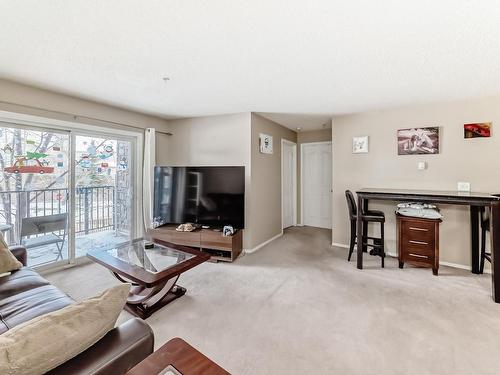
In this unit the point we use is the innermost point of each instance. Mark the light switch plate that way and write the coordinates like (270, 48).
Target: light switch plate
(422, 165)
(463, 186)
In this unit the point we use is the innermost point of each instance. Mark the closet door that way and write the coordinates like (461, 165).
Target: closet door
(317, 184)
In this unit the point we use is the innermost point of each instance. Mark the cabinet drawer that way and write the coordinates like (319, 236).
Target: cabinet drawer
(187, 238)
(181, 238)
(216, 241)
(419, 231)
(418, 258)
(413, 235)
(418, 226)
(418, 247)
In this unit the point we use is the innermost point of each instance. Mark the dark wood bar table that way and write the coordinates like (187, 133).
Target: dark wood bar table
(474, 200)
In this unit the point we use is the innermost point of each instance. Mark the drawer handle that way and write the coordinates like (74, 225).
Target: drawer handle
(418, 242)
(419, 256)
(420, 229)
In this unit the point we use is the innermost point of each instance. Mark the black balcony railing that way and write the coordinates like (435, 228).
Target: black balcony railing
(94, 208)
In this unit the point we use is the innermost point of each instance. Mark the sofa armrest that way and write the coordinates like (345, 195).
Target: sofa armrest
(20, 253)
(121, 349)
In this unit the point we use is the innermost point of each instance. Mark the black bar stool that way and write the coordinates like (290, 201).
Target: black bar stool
(377, 244)
(485, 227)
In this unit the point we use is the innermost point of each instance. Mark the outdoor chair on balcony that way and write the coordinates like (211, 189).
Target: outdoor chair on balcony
(43, 231)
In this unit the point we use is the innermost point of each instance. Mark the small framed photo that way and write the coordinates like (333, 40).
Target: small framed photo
(265, 143)
(477, 130)
(360, 145)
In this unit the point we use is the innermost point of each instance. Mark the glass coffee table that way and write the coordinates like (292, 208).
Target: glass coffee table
(153, 272)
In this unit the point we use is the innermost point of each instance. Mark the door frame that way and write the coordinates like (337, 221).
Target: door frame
(79, 128)
(294, 178)
(302, 175)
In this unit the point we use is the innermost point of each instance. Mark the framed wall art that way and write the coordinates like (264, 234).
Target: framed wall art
(360, 145)
(418, 141)
(265, 143)
(477, 130)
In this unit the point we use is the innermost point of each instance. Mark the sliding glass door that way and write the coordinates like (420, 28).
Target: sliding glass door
(103, 192)
(34, 191)
(63, 193)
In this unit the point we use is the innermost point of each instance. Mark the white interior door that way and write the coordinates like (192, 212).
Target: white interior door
(288, 178)
(316, 161)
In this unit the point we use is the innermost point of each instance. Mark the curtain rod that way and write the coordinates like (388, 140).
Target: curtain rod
(76, 117)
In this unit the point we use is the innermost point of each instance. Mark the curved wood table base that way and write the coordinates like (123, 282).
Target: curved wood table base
(123, 279)
(143, 301)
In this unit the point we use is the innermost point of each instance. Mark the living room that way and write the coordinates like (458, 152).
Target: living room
(183, 186)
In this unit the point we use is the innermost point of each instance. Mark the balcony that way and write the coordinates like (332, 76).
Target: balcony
(100, 221)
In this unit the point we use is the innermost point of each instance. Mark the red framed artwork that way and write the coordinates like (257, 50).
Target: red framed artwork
(477, 130)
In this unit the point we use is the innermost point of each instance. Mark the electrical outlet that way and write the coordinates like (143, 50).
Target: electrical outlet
(463, 186)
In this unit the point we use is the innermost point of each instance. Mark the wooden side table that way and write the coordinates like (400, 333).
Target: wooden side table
(418, 241)
(182, 356)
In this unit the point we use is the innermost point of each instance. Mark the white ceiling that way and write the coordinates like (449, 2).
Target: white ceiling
(323, 57)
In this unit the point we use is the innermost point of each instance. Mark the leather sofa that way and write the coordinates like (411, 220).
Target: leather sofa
(25, 295)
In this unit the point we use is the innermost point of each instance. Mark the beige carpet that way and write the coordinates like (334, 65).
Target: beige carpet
(298, 307)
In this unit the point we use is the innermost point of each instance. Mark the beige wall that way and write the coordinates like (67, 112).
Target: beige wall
(322, 135)
(265, 219)
(15, 97)
(474, 160)
(212, 140)
(234, 140)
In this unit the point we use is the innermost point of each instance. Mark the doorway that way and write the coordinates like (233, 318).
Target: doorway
(288, 184)
(316, 184)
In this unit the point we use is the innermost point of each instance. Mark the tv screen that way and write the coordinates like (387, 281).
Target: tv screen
(213, 196)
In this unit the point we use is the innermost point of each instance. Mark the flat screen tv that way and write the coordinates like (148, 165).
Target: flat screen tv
(212, 196)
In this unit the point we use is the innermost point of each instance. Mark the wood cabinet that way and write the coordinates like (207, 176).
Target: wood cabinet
(220, 248)
(418, 242)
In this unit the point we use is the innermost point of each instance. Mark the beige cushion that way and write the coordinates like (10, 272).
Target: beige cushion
(47, 341)
(8, 262)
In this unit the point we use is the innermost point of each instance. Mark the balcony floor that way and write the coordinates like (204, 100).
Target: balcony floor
(84, 243)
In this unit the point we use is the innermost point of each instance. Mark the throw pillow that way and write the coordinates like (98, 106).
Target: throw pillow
(45, 342)
(8, 262)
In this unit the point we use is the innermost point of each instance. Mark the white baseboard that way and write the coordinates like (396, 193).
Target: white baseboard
(447, 264)
(394, 255)
(254, 249)
(340, 245)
